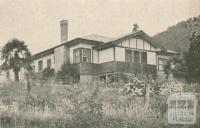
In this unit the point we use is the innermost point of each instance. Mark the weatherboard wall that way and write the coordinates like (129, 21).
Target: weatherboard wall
(137, 43)
(106, 55)
(44, 62)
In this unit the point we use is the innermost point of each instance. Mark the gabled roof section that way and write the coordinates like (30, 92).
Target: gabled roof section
(128, 36)
(95, 37)
(68, 44)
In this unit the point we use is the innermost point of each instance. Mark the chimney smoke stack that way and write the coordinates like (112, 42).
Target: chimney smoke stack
(63, 31)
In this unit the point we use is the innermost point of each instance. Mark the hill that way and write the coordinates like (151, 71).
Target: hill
(177, 37)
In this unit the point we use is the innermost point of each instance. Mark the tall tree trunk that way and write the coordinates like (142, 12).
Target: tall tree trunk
(28, 85)
(16, 72)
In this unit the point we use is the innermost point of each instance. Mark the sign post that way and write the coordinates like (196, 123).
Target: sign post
(182, 108)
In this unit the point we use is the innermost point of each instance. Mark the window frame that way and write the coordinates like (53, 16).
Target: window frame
(137, 60)
(40, 65)
(128, 55)
(161, 64)
(89, 52)
(76, 57)
(142, 59)
(135, 56)
(49, 63)
(80, 55)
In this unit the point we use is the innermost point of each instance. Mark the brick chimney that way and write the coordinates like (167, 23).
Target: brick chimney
(63, 31)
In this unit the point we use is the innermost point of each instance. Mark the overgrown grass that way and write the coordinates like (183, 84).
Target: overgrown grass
(78, 106)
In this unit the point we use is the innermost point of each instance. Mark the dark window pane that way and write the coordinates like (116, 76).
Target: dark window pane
(40, 65)
(76, 55)
(128, 55)
(86, 55)
(161, 63)
(144, 57)
(136, 56)
(49, 63)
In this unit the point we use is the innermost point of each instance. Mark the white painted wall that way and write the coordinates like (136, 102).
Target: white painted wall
(151, 58)
(125, 43)
(79, 46)
(106, 55)
(95, 56)
(132, 43)
(139, 44)
(44, 60)
(146, 46)
(119, 54)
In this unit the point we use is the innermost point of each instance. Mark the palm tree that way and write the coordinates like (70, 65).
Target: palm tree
(15, 55)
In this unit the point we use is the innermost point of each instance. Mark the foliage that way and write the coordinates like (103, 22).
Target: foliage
(15, 55)
(47, 73)
(80, 105)
(176, 66)
(193, 60)
(134, 88)
(177, 37)
(68, 73)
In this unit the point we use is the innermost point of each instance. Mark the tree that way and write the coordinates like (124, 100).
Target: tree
(15, 55)
(176, 66)
(193, 59)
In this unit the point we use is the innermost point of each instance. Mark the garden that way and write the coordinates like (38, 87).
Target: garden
(137, 103)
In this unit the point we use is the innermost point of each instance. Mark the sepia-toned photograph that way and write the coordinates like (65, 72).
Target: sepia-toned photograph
(99, 63)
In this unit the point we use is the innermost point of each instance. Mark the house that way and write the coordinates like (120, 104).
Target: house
(102, 57)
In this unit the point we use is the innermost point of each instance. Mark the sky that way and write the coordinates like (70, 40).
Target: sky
(37, 21)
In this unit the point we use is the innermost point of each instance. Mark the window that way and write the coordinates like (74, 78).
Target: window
(136, 56)
(49, 63)
(82, 55)
(76, 53)
(128, 55)
(161, 63)
(40, 65)
(144, 58)
(86, 55)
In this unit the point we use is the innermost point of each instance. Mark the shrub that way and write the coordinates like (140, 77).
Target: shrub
(67, 74)
(47, 73)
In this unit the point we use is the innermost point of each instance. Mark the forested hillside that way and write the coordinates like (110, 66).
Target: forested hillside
(177, 37)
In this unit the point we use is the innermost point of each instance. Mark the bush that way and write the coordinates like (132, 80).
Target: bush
(67, 74)
(47, 73)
